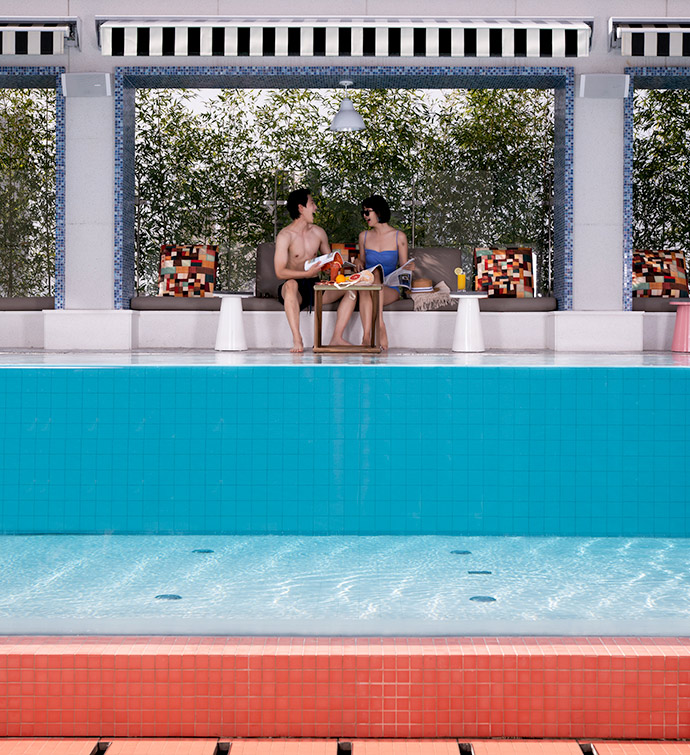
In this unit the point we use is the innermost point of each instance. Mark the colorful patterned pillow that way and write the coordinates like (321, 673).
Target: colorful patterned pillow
(659, 273)
(504, 272)
(187, 270)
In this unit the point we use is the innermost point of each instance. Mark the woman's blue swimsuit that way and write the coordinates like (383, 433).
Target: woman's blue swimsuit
(388, 259)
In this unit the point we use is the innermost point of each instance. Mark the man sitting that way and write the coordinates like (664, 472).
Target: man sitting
(296, 244)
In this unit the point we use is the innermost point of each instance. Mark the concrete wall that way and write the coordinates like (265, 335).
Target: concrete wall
(121, 330)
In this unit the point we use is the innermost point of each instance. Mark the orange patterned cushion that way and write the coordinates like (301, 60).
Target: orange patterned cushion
(187, 270)
(504, 272)
(659, 273)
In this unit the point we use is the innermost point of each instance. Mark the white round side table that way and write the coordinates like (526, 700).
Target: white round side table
(468, 326)
(230, 334)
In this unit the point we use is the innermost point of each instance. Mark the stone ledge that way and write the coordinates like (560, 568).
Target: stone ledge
(269, 304)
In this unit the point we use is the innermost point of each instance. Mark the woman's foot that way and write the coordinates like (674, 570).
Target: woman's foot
(339, 342)
(383, 338)
(298, 347)
(366, 339)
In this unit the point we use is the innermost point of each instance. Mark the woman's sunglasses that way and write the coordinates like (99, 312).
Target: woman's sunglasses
(366, 213)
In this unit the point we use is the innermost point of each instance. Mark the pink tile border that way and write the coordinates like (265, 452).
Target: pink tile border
(565, 688)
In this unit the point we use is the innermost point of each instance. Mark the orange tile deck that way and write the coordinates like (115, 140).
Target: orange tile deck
(405, 747)
(162, 747)
(329, 747)
(47, 746)
(642, 748)
(285, 747)
(525, 748)
(355, 688)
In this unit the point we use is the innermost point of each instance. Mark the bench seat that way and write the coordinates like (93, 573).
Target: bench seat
(437, 263)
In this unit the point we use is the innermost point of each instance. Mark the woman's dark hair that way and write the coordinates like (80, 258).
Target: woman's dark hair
(295, 199)
(379, 205)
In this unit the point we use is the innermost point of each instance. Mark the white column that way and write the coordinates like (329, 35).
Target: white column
(598, 204)
(89, 202)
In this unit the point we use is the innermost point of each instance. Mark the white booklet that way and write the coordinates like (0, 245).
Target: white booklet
(324, 259)
(401, 277)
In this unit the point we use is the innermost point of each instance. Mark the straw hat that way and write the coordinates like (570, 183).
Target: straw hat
(422, 283)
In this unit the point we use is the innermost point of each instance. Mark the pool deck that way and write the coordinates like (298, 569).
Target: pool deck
(392, 358)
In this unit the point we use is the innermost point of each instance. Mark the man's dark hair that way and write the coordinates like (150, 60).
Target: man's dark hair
(379, 205)
(295, 199)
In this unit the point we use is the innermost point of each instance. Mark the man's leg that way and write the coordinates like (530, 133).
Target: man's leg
(292, 300)
(345, 310)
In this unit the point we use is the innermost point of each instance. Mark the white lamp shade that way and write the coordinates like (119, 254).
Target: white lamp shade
(347, 118)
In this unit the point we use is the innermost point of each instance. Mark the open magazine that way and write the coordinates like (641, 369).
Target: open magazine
(401, 277)
(324, 259)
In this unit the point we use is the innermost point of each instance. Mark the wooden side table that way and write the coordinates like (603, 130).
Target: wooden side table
(319, 348)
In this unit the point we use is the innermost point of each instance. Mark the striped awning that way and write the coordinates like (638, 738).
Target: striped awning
(49, 37)
(652, 38)
(346, 37)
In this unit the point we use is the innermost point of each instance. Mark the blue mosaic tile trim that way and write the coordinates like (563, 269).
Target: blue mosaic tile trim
(563, 193)
(93, 450)
(29, 77)
(642, 77)
(628, 139)
(128, 78)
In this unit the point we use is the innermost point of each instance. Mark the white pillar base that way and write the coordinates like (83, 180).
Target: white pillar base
(596, 331)
(87, 330)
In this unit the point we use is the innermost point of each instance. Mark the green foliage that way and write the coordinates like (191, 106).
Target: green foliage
(661, 170)
(500, 142)
(467, 168)
(27, 192)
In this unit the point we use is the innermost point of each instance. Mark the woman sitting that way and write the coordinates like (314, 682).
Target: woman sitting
(383, 245)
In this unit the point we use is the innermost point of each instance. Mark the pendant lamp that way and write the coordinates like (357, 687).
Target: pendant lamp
(347, 118)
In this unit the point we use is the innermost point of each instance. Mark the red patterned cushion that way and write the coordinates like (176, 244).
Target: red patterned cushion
(504, 272)
(659, 273)
(187, 270)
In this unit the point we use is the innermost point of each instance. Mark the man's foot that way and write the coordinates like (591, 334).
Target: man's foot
(339, 342)
(297, 348)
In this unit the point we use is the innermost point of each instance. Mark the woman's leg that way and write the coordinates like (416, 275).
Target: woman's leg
(388, 296)
(365, 307)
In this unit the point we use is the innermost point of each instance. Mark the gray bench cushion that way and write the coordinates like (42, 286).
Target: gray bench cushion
(175, 303)
(26, 303)
(654, 304)
(267, 282)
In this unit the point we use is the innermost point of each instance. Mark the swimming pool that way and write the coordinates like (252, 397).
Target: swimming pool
(312, 480)
(381, 586)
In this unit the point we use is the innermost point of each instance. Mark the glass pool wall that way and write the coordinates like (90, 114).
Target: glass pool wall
(328, 449)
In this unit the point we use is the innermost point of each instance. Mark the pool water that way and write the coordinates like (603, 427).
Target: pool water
(339, 585)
